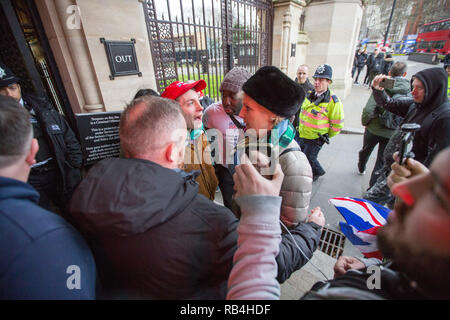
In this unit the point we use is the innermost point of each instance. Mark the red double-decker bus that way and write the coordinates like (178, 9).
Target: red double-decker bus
(434, 37)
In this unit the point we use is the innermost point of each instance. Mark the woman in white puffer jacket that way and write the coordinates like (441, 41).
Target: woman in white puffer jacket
(270, 98)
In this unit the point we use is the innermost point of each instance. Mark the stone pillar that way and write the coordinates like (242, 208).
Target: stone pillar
(285, 36)
(333, 27)
(79, 53)
(74, 29)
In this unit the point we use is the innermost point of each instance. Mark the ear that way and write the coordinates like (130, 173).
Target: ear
(169, 152)
(404, 74)
(31, 156)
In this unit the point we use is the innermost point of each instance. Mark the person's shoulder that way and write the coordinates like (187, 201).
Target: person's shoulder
(211, 213)
(32, 220)
(214, 108)
(38, 101)
(334, 98)
(293, 161)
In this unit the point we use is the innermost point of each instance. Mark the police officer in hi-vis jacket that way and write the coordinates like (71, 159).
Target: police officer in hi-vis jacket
(321, 117)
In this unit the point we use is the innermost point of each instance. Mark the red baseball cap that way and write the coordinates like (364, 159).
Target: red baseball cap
(178, 88)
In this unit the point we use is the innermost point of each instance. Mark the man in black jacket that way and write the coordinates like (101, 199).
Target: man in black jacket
(428, 107)
(303, 80)
(59, 159)
(359, 63)
(152, 234)
(369, 63)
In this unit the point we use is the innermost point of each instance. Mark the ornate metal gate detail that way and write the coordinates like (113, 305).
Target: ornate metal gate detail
(204, 39)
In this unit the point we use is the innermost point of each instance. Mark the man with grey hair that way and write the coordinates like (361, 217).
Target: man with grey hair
(153, 235)
(42, 256)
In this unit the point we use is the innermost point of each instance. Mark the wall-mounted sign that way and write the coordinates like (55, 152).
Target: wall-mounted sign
(99, 135)
(121, 58)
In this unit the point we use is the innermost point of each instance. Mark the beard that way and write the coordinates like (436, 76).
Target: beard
(429, 270)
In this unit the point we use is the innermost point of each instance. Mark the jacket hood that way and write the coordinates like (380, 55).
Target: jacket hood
(130, 196)
(435, 82)
(401, 86)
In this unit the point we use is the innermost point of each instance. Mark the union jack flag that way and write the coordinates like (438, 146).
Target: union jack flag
(363, 218)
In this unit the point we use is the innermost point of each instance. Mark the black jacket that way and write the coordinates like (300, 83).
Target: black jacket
(360, 60)
(377, 63)
(353, 285)
(433, 136)
(63, 143)
(153, 236)
(387, 64)
(308, 87)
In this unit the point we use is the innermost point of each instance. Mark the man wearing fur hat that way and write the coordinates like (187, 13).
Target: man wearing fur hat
(224, 117)
(321, 118)
(197, 156)
(270, 98)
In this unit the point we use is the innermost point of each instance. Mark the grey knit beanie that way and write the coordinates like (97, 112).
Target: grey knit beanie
(234, 79)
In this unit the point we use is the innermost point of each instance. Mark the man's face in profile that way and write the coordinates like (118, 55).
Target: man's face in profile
(192, 109)
(417, 236)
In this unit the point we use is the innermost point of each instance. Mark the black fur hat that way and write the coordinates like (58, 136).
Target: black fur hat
(275, 91)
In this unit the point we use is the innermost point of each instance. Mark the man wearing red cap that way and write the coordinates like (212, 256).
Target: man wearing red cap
(197, 151)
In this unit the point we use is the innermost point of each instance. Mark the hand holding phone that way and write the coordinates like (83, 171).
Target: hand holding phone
(387, 83)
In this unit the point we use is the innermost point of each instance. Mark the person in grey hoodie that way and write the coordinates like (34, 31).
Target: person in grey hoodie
(376, 131)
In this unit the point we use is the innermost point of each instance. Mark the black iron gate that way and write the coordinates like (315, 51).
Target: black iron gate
(204, 39)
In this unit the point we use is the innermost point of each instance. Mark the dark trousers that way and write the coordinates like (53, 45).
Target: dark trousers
(45, 184)
(357, 75)
(370, 141)
(366, 78)
(372, 75)
(226, 184)
(311, 148)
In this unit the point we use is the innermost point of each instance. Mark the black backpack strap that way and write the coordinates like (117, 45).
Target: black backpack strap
(289, 150)
(236, 122)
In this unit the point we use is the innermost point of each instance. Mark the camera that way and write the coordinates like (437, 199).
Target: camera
(387, 83)
(406, 145)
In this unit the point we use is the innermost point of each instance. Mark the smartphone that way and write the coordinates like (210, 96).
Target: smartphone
(387, 83)
(406, 144)
(266, 158)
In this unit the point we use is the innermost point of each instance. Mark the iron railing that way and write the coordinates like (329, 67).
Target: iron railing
(204, 39)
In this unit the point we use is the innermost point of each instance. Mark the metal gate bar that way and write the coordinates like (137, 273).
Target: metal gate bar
(187, 46)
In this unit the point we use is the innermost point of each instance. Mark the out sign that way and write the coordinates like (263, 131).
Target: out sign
(121, 58)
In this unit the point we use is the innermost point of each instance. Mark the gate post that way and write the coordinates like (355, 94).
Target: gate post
(333, 27)
(286, 55)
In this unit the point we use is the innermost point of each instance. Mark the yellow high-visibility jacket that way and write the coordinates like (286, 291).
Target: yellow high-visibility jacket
(324, 115)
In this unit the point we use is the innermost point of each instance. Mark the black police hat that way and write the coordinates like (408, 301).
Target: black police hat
(275, 91)
(7, 77)
(324, 71)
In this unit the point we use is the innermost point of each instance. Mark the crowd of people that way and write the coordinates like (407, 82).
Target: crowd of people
(146, 226)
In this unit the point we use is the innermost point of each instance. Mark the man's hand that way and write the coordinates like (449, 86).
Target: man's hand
(401, 173)
(317, 217)
(248, 181)
(343, 264)
(377, 80)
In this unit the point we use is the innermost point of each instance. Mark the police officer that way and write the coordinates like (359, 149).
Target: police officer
(321, 117)
(58, 161)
